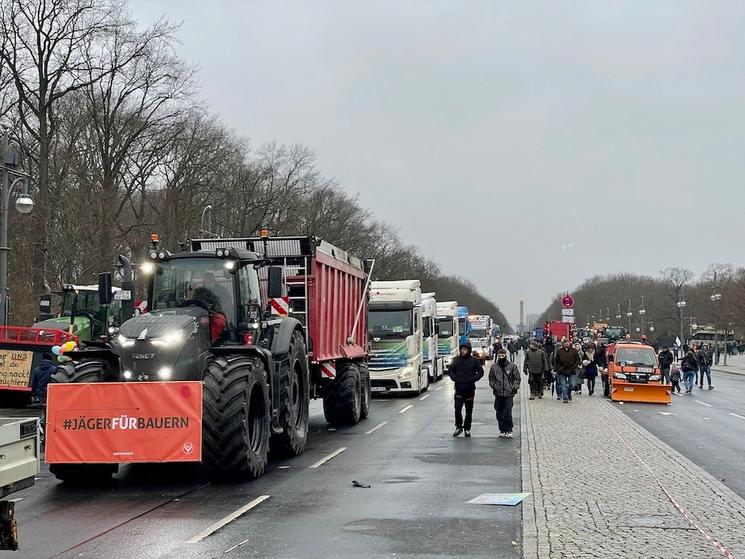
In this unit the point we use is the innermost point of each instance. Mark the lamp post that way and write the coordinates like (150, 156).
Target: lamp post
(681, 305)
(716, 298)
(618, 312)
(24, 204)
(642, 312)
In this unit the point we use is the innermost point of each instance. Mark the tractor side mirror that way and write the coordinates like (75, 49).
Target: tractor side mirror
(104, 288)
(274, 288)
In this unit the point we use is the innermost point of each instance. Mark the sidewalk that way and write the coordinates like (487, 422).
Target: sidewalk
(605, 487)
(735, 364)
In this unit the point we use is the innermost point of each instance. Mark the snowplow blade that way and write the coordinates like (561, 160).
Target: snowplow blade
(649, 393)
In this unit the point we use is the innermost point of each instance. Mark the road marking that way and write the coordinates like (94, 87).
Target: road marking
(741, 417)
(325, 459)
(407, 408)
(664, 413)
(236, 546)
(371, 431)
(703, 403)
(438, 388)
(228, 519)
(424, 397)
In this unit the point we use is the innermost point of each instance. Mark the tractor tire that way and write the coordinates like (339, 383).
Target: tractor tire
(365, 390)
(237, 417)
(295, 401)
(82, 372)
(342, 405)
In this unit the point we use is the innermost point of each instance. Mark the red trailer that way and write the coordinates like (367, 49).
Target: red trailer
(557, 329)
(325, 288)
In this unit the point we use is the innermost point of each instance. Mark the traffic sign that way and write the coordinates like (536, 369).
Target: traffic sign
(567, 301)
(567, 312)
(567, 319)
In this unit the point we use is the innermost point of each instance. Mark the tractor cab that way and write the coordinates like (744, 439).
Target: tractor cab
(82, 310)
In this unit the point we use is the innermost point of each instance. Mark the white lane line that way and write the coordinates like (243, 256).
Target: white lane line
(703, 403)
(228, 519)
(741, 417)
(236, 546)
(438, 388)
(325, 459)
(371, 431)
(407, 408)
(664, 413)
(424, 397)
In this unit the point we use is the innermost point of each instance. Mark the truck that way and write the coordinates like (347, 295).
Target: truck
(430, 353)
(557, 330)
(448, 338)
(464, 324)
(19, 451)
(480, 336)
(395, 325)
(239, 334)
(634, 374)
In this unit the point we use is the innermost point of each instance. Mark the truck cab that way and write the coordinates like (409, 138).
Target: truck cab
(448, 337)
(395, 327)
(431, 357)
(464, 324)
(480, 336)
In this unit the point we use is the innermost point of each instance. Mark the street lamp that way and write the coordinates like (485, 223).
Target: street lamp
(717, 298)
(24, 204)
(642, 312)
(681, 305)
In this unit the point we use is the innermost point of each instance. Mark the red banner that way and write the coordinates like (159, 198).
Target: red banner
(124, 422)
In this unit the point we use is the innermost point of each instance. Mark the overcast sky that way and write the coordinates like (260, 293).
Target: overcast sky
(523, 145)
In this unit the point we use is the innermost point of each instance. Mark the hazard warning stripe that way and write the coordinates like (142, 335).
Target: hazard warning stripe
(328, 369)
(280, 306)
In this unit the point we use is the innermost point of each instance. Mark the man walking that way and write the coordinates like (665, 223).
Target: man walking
(465, 370)
(535, 365)
(666, 361)
(705, 360)
(504, 379)
(566, 361)
(689, 366)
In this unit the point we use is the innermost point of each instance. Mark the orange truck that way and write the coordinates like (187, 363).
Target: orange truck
(634, 374)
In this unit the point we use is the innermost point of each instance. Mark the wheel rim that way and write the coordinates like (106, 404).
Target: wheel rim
(256, 419)
(297, 389)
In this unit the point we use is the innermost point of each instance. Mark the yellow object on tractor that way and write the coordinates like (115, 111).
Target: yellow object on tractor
(635, 376)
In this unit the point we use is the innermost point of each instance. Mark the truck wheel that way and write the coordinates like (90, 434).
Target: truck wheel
(366, 391)
(82, 372)
(295, 398)
(237, 415)
(342, 403)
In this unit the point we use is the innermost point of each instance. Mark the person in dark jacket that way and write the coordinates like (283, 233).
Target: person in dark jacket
(565, 362)
(549, 347)
(535, 366)
(591, 365)
(40, 380)
(465, 370)
(504, 380)
(666, 358)
(689, 366)
(705, 360)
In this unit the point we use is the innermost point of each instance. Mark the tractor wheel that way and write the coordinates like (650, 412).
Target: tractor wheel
(365, 390)
(77, 474)
(295, 400)
(343, 402)
(236, 422)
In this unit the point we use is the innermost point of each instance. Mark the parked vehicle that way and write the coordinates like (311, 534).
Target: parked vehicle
(208, 330)
(480, 336)
(464, 324)
(396, 331)
(448, 337)
(430, 353)
(557, 329)
(634, 374)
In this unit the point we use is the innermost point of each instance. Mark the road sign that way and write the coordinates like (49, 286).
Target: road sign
(567, 312)
(567, 301)
(568, 319)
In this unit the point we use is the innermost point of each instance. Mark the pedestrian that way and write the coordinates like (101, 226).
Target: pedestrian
(591, 364)
(535, 365)
(675, 378)
(512, 348)
(645, 341)
(465, 370)
(40, 377)
(689, 365)
(666, 360)
(497, 346)
(578, 378)
(704, 366)
(548, 346)
(565, 363)
(504, 379)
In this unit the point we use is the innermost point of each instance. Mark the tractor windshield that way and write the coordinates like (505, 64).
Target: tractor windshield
(182, 282)
(87, 302)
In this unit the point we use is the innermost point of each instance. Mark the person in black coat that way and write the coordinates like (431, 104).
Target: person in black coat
(40, 380)
(465, 371)
(666, 361)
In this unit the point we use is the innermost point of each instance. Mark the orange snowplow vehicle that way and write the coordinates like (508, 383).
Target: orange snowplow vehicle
(634, 374)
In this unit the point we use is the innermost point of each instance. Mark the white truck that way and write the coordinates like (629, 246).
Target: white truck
(394, 323)
(481, 336)
(19, 464)
(448, 336)
(431, 357)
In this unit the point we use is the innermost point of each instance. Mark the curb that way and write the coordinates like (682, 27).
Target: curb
(530, 534)
(719, 369)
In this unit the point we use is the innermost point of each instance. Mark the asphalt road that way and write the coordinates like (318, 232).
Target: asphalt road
(707, 427)
(421, 478)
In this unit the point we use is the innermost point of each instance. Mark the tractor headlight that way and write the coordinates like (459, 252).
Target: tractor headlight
(170, 339)
(124, 341)
(165, 373)
(620, 375)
